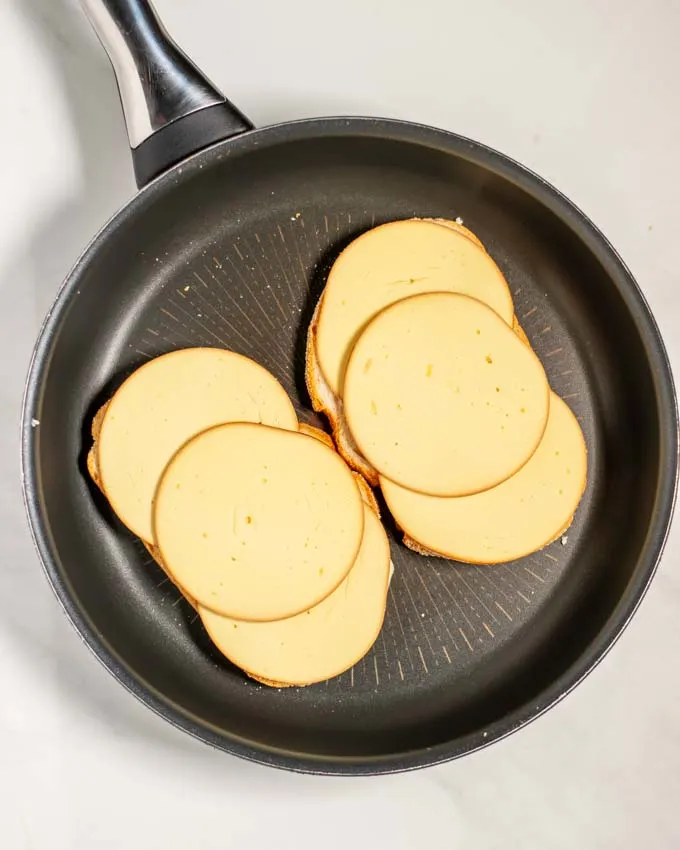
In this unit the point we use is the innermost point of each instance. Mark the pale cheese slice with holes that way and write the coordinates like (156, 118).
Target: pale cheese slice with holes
(257, 523)
(392, 262)
(514, 519)
(442, 397)
(166, 402)
(323, 641)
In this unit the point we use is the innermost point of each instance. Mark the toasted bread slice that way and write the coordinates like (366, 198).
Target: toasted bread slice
(459, 227)
(257, 523)
(317, 433)
(151, 548)
(325, 401)
(520, 516)
(366, 493)
(324, 640)
(392, 262)
(166, 402)
(442, 397)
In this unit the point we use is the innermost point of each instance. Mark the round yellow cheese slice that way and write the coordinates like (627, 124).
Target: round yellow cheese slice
(322, 641)
(517, 517)
(442, 397)
(257, 523)
(166, 402)
(392, 262)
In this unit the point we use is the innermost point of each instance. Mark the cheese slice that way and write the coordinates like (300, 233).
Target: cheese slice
(257, 523)
(514, 519)
(392, 262)
(166, 402)
(322, 641)
(442, 397)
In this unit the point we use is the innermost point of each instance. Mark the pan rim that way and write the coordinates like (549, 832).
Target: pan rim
(664, 390)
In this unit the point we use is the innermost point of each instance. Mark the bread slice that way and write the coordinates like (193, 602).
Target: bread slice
(442, 397)
(257, 523)
(366, 493)
(392, 262)
(459, 227)
(323, 641)
(166, 402)
(325, 401)
(151, 548)
(317, 434)
(520, 516)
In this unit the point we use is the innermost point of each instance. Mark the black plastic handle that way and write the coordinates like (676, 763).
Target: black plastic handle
(171, 109)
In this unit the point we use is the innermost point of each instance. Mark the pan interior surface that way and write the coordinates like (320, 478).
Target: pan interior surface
(232, 250)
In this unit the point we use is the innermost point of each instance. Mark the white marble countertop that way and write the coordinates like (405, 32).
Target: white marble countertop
(583, 92)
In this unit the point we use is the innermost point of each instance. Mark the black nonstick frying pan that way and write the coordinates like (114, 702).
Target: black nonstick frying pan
(227, 243)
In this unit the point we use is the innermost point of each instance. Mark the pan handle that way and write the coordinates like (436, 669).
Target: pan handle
(171, 109)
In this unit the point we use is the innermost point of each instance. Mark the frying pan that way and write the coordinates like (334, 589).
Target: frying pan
(227, 243)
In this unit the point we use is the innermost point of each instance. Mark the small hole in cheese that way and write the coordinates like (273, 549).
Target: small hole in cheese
(489, 358)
